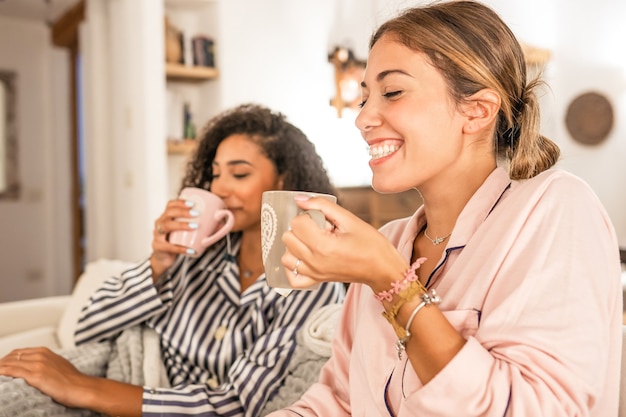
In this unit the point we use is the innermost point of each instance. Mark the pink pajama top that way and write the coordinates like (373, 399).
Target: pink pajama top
(531, 278)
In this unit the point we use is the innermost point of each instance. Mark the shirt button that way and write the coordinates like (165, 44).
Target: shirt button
(212, 382)
(220, 333)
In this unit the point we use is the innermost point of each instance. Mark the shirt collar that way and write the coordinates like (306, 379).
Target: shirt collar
(473, 214)
(479, 206)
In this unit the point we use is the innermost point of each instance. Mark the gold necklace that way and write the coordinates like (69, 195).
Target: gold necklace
(436, 240)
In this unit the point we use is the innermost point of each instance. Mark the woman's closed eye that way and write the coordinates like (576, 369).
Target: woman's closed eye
(236, 176)
(392, 94)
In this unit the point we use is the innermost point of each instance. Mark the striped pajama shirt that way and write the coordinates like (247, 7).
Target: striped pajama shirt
(225, 353)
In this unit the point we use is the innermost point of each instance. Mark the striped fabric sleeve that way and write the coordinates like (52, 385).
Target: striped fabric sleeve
(254, 376)
(121, 302)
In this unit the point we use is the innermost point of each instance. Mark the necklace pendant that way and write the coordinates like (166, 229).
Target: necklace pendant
(247, 274)
(437, 240)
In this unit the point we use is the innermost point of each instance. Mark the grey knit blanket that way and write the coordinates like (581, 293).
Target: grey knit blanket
(313, 349)
(304, 369)
(121, 360)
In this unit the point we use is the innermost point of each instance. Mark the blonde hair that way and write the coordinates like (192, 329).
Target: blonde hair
(474, 49)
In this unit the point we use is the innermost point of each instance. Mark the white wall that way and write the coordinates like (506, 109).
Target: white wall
(35, 229)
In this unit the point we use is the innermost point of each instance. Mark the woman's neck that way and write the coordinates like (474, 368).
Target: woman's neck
(250, 258)
(444, 201)
(251, 244)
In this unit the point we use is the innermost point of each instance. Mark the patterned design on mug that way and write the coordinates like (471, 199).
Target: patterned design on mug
(269, 223)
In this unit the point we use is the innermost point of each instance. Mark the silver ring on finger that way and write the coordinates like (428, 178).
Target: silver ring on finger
(295, 268)
(160, 230)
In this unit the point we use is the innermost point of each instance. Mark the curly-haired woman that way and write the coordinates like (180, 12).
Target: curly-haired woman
(226, 337)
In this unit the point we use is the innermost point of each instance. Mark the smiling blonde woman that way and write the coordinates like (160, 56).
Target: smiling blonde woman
(501, 295)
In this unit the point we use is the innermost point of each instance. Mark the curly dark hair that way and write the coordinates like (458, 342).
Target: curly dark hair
(284, 144)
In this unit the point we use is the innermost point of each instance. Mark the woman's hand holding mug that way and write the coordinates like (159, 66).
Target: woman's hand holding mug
(189, 225)
(353, 251)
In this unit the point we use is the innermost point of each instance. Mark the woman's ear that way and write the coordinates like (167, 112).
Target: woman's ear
(481, 111)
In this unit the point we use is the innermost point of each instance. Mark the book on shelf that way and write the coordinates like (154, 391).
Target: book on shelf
(203, 51)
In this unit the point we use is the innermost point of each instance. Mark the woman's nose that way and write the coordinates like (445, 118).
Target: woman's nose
(219, 188)
(367, 118)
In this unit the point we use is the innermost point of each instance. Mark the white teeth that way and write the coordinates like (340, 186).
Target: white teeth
(380, 151)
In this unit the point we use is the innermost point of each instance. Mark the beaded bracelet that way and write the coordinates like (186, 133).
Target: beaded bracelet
(398, 286)
(427, 299)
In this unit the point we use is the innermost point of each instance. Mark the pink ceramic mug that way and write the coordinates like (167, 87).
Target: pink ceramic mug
(214, 221)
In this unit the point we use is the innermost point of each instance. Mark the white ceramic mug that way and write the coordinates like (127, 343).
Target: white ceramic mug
(277, 210)
(214, 221)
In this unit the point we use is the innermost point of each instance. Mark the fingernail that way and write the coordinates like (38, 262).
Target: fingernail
(301, 197)
(189, 203)
(194, 213)
(193, 225)
(190, 251)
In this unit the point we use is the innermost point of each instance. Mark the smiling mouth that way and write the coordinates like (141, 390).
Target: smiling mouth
(381, 150)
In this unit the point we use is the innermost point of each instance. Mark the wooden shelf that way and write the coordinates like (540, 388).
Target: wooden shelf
(188, 4)
(181, 146)
(179, 72)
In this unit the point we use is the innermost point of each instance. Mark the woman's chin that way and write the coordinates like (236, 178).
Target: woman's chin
(388, 186)
(384, 186)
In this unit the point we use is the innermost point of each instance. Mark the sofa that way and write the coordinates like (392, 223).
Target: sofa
(50, 321)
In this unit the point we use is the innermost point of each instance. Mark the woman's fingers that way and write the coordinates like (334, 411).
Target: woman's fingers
(170, 222)
(164, 253)
(45, 370)
(313, 246)
(296, 271)
(351, 252)
(334, 214)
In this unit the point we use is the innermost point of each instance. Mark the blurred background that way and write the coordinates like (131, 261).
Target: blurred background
(98, 101)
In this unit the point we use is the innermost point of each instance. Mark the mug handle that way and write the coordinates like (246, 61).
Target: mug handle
(317, 216)
(223, 214)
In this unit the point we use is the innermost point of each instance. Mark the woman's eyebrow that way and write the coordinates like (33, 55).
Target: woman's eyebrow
(381, 76)
(234, 162)
(238, 162)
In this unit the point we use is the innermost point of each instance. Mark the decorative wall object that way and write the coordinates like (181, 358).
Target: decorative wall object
(348, 75)
(9, 175)
(589, 118)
